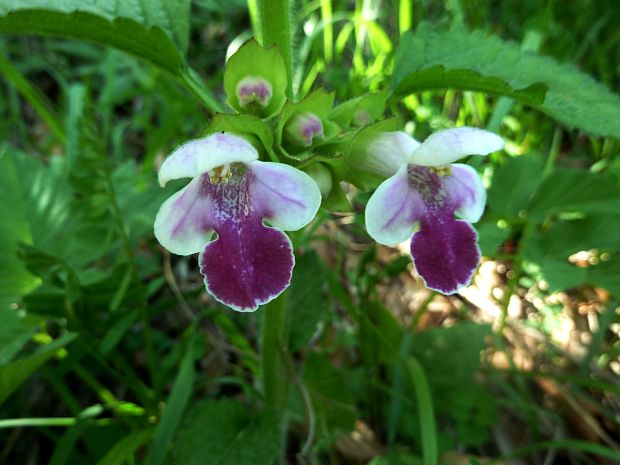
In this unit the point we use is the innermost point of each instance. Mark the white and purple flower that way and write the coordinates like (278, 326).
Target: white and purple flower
(231, 194)
(424, 191)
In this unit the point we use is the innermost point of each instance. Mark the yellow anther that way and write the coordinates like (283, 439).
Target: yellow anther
(441, 170)
(220, 174)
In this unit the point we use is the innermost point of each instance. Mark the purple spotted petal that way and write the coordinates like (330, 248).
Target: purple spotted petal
(248, 265)
(445, 252)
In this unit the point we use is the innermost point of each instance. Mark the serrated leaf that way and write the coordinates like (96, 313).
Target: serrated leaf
(451, 357)
(331, 392)
(513, 184)
(458, 59)
(564, 238)
(234, 436)
(306, 303)
(550, 249)
(154, 30)
(15, 280)
(580, 191)
(491, 237)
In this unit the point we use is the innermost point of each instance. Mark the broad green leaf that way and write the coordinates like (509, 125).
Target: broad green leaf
(550, 248)
(569, 191)
(459, 59)
(226, 432)
(606, 274)
(12, 375)
(15, 280)
(306, 301)
(154, 30)
(491, 237)
(331, 392)
(513, 184)
(43, 211)
(451, 357)
(564, 238)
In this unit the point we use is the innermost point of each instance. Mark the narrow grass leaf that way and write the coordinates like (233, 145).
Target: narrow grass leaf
(173, 412)
(425, 409)
(124, 449)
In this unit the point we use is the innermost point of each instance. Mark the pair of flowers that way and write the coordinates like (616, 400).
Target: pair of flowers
(232, 193)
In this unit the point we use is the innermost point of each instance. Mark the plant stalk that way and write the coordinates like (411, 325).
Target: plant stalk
(276, 30)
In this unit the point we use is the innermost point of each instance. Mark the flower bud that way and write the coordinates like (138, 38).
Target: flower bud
(303, 129)
(322, 176)
(255, 80)
(254, 91)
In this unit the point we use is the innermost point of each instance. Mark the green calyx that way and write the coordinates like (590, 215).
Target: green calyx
(255, 80)
(305, 124)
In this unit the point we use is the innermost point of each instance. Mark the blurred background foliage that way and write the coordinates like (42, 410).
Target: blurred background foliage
(111, 352)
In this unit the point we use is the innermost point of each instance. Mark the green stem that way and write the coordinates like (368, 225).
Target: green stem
(192, 81)
(59, 421)
(253, 9)
(273, 346)
(404, 16)
(276, 29)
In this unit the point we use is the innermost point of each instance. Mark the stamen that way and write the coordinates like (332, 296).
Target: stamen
(220, 174)
(441, 170)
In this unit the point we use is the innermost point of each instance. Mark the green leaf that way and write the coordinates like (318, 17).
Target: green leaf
(513, 184)
(15, 280)
(550, 248)
(451, 357)
(14, 374)
(458, 59)
(564, 238)
(568, 191)
(154, 30)
(173, 412)
(225, 432)
(606, 274)
(306, 300)
(331, 390)
(256, 130)
(428, 426)
(491, 237)
(124, 449)
(14, 334)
